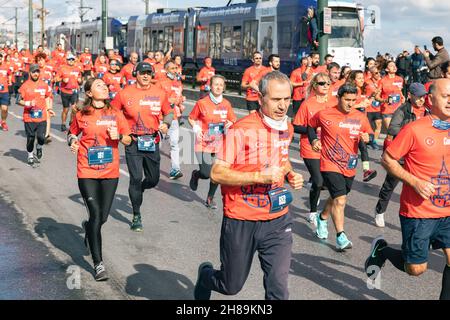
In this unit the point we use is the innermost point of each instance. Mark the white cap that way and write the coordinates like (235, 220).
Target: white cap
(70, 56)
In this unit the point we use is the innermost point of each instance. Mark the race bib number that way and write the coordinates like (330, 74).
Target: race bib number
(112, 95)
(352, 161)
(280, 198)
(146, 144)
(216, 129)
(48, 82)
(131, 82)
(75, 91)
(100, 75)
(376, 104)
(36, 114)
(394, 98)
(2, 87)
(207, 88)
(100, 155)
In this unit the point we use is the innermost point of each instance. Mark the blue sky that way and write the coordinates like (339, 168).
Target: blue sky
(402, 23)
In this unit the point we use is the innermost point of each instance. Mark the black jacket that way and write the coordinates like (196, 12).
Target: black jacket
(402, 116)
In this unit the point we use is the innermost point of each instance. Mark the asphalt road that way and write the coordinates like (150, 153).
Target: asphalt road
(180, 232)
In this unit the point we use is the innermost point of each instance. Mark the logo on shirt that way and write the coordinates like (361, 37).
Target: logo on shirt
(109, 121)
(446, 141)
(441, 198)
(354, 126)
(256, 195)
(429, 141)
(40, 91)
(328, 122)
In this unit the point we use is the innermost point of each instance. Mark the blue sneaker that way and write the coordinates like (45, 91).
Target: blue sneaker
(322, 228)
(342, 242)
(175, 174)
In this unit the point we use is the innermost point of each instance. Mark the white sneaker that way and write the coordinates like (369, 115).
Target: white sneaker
(379, 220)
(313, 218)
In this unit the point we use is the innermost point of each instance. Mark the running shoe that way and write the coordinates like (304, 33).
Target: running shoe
(369, 175)
(376, 259)
(175, 174)
(322, 228)
(63, 128)
(193, 183)
(100, 272)
(136, 224)
(379, 220)
(5, 126)
(313, 218)
(210, 203)
(30, 161)
(200, 292)
(342, 242)
(39, 153)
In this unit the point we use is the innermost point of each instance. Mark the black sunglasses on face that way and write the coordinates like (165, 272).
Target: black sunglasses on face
(322, 83)
(145, 72)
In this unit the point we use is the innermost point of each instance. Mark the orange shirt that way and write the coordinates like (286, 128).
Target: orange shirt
(142, 107)
(307, 110)
(367, 76)
(209, 114)
(250, 146)
(340, 138)
(127, 73)
(426, 151)
(5, 73)
(47, 74)
(59, 56)
(160, 72)
(300, 91)
(333, 92)
(27, 59)
(418, 112)
(151, 61)
(207, 73)
(174, 90)
(250, 74)
(372, 86)
(73, 73)
(18, 65)
(86, 60)
(113, 81)
(38, 91)
(119, 58)
(391, 87)
(93, 128)
(100, 69)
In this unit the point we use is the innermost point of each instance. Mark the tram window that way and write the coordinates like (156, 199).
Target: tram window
(146, 39)
(237, 39)
(168, 38)
(250, 38)
(232, 39)
(215, 40)
(285, 35)
(303, 33)
(95, 45)
(154, 45)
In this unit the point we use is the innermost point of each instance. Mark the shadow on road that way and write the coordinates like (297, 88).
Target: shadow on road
(66, 237)
(154, 284)
(20, 155)
(120, 203)
(317, 269)
(180, 191)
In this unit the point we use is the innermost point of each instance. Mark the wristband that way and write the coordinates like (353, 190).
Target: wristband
(27, 103)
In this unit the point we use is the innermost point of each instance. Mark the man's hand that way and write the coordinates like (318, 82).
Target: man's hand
(51, 113)
(295, 180)
(163, 127)
(317, 145)
(74, 146)
(364, 137)
(113, 133)
(426, 53)
(424, 188)
(271, 175)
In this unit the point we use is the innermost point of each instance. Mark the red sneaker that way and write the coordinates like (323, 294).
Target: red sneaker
(4, 126)
(369, 175)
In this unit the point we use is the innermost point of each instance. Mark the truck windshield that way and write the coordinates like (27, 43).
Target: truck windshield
(345, 29)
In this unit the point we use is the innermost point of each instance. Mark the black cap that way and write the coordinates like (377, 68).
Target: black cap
(34, 68)
(144, 66)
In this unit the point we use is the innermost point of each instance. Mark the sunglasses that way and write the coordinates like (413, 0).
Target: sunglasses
(113, 64)
(145, 72)
(323, 83)
(71, 59)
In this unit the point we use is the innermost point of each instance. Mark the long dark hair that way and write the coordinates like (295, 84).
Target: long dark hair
(352, 80)
(86, 107)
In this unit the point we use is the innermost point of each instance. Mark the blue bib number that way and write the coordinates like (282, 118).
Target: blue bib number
(2, 87)
(207, 88)
(47, 82)
(352, 161)
(280, 198)
(131, 82)
(216, 129)
(394, 98)
(36, 114)
(376, 104)
(75, 91)
(112, 95)
(100, 75)
(146, 143)
(100, 155)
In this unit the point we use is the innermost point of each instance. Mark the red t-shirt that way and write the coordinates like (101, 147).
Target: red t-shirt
(372, 87)
(174, 90)
(340, 138)
(94, 128)
(142, 107)
(101, 68)
(73, 73)
(38, 91)
(300, 91)
(252, 146)
(250, 74)
(113, 81)
(208, 113)
(5, 72)
(307, 110)
(333, 92)
(160, 72)
(59, 56)
(418, 112)
(86, 60)
(127, 72)
(391, 87)
(426, 151)
(151, 61)
(207, 73)
(47, 74)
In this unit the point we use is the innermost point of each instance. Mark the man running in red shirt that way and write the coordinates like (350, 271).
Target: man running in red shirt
(204, 77)
(250, 82)
(342, 128)
(252, 169)
(86, 60)
(36, 97)
(143, 104)
(425, 199)
(5, 82)
(113, 79)
(127, 70)
(299, 85)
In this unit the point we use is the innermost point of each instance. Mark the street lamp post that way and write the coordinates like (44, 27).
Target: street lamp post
(323, 37)
(104, 22)
(30, 25)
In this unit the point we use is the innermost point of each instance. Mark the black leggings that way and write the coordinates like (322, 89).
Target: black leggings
(141, 164)
(313, 166)
(98, 195)
(35, 130)
(364, 152)
(206, 161)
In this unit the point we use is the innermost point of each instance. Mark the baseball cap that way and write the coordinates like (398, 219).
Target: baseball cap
(143, 66)
(417, 89)
(70, 56)
(34, 67)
